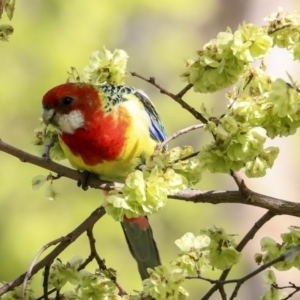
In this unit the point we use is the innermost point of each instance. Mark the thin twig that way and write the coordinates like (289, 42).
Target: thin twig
(250, 77)
(238, 180)
(101, 262)
(86, 262)
(184, 90)
(255, 228)
(188, 156)
(57, 296)
(45, 281)
(177, 134)
(94, 252)
(48, 293)
(177, 97)
(292, 286)
(48, 146)
(287, 254)
(273, 30)
(36, 257)
(222, 292)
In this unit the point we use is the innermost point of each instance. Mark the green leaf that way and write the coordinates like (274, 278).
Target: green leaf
(223, 259)
(51, 193)
(5, 31)
(10, 8)
(269, 277)
(38, 181)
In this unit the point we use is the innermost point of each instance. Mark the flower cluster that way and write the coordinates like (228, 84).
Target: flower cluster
(221, 61)
(61, 273)
(273, 250)
(289, 249)
(146, 191)
(16, 293)
(260, 108)
(165, 283)
(271, 293)
(242, 150)
(106, 67)
(222, 252)
(96, 286)
(213, 248)
(87, 285)
(284, 29)
(194, 253)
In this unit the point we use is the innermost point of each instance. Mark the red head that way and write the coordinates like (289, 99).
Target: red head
(68, 105)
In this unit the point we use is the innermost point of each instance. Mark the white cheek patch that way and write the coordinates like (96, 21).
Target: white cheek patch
(68, 123)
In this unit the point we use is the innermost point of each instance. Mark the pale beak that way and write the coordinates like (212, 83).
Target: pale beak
(47, 115)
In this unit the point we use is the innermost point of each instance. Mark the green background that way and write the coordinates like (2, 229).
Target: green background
(52, 36)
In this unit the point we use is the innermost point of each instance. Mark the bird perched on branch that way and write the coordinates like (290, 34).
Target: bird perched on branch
(109, 130)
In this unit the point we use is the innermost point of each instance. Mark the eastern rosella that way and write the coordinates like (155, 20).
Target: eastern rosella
(109, 130)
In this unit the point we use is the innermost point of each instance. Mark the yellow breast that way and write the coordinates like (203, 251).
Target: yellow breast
(137, 147)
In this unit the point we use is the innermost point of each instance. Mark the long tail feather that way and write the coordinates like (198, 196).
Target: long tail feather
(142, 247)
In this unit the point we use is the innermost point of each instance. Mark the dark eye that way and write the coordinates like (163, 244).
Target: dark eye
(67, 100)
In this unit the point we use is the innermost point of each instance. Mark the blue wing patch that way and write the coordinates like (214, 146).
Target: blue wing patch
(157, 131)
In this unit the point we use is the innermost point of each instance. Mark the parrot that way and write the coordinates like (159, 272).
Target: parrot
(109, 130)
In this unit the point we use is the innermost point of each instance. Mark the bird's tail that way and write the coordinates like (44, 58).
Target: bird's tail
(142, 246)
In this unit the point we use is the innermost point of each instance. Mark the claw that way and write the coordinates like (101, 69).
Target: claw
(83, 180)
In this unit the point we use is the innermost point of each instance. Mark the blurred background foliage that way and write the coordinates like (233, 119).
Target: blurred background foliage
(52, 36)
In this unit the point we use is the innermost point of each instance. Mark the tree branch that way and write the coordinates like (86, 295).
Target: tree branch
(275, 205)
(177, 98)
(240, 281)
(45, 284)
(50, 165)
(47, 260)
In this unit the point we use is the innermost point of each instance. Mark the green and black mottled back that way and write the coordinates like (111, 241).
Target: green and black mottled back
(114, 94)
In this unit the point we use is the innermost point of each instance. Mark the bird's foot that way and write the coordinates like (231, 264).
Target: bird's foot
(83, 180)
